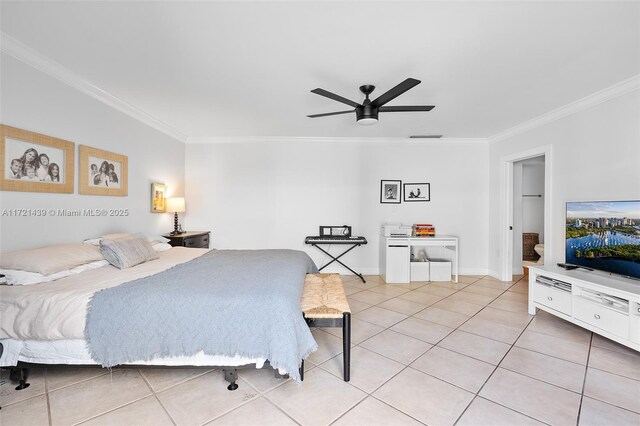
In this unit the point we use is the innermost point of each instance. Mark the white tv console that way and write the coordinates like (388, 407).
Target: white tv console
(607, 305)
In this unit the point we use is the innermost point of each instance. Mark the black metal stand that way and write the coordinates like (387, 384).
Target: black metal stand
(335, 259)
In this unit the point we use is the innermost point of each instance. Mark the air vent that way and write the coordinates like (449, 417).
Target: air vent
(425, 136)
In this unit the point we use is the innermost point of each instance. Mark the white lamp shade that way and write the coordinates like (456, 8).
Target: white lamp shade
(175, 205)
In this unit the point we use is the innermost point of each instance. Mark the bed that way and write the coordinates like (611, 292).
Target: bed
(224, 308)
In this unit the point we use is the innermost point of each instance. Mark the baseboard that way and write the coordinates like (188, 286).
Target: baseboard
(376, 271)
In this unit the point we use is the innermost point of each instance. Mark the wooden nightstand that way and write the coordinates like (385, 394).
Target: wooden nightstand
(191, 239)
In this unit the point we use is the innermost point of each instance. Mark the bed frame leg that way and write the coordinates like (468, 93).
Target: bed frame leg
(231, 375)
(280, 376)
(19, 374)
(302, 371)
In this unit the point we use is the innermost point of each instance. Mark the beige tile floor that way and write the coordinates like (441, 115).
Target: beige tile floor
(426, 353)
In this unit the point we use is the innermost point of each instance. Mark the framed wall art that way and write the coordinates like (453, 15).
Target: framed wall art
(417, 192)
(158, 198)
(33, 162)
(390, 191)
(102, 172)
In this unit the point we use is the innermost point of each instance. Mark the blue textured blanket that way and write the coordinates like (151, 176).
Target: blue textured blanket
(225, 302)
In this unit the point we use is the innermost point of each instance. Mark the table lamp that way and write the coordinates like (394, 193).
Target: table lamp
(175, 206)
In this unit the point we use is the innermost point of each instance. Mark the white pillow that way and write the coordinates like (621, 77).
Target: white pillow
(51, 259)
(153, 239)
(161, 246)
(17, 277)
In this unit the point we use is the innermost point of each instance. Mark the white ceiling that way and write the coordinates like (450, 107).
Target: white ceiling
(242, 69)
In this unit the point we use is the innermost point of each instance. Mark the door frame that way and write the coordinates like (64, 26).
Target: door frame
(506, 207)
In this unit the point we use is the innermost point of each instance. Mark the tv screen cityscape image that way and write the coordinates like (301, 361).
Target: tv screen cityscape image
(604, 235)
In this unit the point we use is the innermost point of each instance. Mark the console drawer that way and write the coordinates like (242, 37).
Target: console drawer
(601, 317)
(555, 299)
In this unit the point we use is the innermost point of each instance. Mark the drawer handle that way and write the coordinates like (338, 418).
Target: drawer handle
(596, 316)
(549, 298)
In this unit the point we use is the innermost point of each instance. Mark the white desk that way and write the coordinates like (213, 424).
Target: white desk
(395, 255)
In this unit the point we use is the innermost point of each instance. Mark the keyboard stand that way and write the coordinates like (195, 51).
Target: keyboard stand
(335, 259)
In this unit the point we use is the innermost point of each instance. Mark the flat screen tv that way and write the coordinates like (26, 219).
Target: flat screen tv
(604, 235)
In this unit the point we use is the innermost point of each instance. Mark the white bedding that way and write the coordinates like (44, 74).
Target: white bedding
(44, 323)
(57, 310)
(74, 352)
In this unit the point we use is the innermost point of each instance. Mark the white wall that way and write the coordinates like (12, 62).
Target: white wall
(33, 101)
(533, 207)
(596, 156)
(273, 194)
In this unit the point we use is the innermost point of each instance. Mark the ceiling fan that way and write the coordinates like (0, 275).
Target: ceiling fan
(367, 112)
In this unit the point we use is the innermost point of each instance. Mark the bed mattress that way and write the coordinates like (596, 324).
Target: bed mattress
(74, 352)
(44, 323)
(57, 310)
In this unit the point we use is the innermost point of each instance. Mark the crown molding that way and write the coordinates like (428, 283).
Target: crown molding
(618, 89)
(306, 139)
(27, 55)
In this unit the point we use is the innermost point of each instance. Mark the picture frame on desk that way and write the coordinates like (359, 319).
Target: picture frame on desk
(417, 192)
(390, 191)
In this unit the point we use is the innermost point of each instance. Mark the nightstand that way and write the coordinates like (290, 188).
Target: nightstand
(191, 239)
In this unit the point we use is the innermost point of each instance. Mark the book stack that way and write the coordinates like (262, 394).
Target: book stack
(424, 230)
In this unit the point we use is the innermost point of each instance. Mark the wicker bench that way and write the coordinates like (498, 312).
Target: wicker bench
(324, 304)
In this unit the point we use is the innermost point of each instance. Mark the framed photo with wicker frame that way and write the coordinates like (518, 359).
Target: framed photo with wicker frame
(33, 162)
(102, 172)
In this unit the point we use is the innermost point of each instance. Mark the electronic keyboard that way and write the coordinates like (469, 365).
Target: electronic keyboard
(335, 240)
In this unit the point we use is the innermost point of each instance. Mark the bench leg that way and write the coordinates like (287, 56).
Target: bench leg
(302, 371)
(346, 345)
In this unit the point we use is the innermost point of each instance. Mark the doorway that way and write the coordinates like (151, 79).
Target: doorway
(526, 208)
(528, 213)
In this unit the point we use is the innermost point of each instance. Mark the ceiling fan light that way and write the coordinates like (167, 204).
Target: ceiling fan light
(367, 121)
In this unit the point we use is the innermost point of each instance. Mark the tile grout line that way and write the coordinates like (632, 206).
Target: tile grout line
(46, 392)
(153, 392)
(433, 345)
(497, 366)
(103, 373)
(477, 394)
(584, 381)
(263, 395)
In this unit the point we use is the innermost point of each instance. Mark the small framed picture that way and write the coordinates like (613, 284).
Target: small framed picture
(390, 191)
(102, 172)
(417, 192)
(33, 162)
(158, 198)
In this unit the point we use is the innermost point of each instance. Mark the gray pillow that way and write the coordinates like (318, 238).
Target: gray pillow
(127, 252)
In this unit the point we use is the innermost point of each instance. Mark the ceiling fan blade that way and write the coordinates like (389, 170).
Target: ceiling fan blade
(395, 92)
(335, 97)
(326, 114)
(406, 108)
